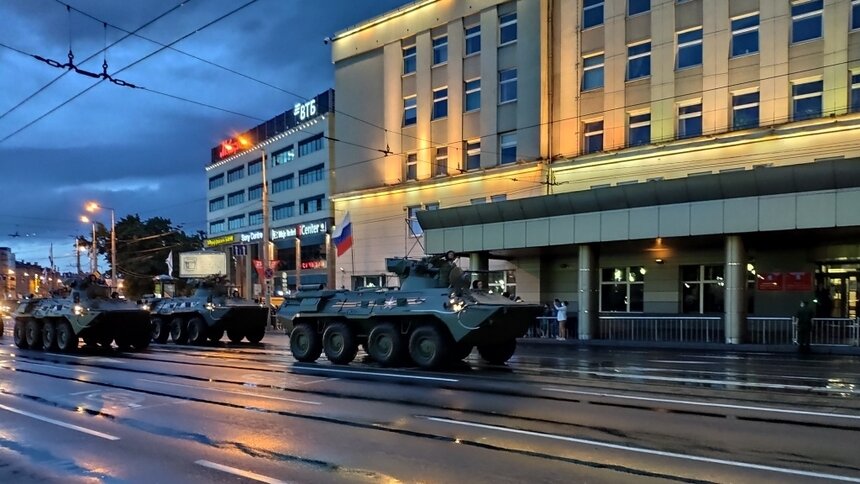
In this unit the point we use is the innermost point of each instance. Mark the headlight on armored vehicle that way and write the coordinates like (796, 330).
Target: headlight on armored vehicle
(145, 307)
(79, 310)
(210, 306)
(455, 304)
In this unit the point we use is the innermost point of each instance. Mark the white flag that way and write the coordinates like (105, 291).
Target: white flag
(170, 263)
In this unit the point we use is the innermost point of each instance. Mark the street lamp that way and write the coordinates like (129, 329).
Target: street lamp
(93, 262)
(93, 207)
(265, 285)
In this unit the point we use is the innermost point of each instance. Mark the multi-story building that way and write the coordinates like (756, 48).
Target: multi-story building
(641, 156)
(7, 274)
(298, 161)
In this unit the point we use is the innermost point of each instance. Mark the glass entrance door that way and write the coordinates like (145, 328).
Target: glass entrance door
(838, 296)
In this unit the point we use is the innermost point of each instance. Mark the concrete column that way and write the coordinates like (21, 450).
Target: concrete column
(588, 292)
(480, 261)
(249, 283)
(736, 301)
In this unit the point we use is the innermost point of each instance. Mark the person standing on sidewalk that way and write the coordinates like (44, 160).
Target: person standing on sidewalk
(561, 317)
(804, 326)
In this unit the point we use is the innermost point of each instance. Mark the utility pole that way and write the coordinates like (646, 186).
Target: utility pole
(78, 253)
(265, 285)
(113, 279)
(95, 263)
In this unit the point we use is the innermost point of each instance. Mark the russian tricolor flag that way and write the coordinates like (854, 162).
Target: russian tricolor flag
(343, 235)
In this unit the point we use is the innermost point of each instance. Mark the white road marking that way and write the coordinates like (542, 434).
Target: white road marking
(317, 381)
(391, 375)
(76, 370)
(683, 362)
(244, 394)
(61, 424)
(91, 359)
(239, 472)
(704, 404)
(641, 450)
(777, 386)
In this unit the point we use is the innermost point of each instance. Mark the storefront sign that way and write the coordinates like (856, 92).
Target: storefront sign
(310, 228)
(303, 111)
(314, 264)
(220, 240)
(798, 281)
(771, 281)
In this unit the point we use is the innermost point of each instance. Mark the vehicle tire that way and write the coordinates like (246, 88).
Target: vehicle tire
(178, 331)
(461, 351)
(498, 354)
(305, 343)
(34, 334)
(19, 334)
(256, 334)
(385, 344)
(105, 340)
(142, 339)
(339, 343)
(160, 330)
(49, 336)
(67, 340)
(428, 347)
(123, 341)
(197, 331)
(235, 335)
(215, 334)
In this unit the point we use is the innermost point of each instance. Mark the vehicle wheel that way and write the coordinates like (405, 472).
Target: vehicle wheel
(235, 335)
(105, 340)
(428, 347)
(160, 330)
(499, 353)
(339, 343)
(385, 344)
(34, 334)
(215, 335)
(197, 331)
(461, 351)
(142, 339)
(256, 334)
(123, 341)
(178, 331)
(19, 334)
(49, 336)
(305, 343)
(67, 340)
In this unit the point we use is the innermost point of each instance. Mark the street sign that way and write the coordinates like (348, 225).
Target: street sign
(240, 249)
(269, 273)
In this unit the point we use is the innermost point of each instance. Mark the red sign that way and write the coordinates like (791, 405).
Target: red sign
(258, 265)
(771, 281)
(228, 147)
(313, 264)
(798, 281)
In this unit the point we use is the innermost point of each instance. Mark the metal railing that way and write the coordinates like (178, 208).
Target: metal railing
(771, 331)
(694, 329)
(835, 331)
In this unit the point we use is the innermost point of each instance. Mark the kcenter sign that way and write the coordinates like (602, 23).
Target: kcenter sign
(281, 233)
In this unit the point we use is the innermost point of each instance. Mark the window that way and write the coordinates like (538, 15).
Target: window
(855, 93)
(592, 13)
(745, 110)
(309, 145)
(745, 35)
(507, 148)
(282, 184)
(806, 100)
(702, 289)
(415, 229)
(440, 50)
(283, 156)
(255, 167)
(311, 205)
(473, 154)
(441, 167)
(236, 222)
(410, 110)
(690, 120)
(478, 201)
(592, 72)
(472, 100)
(255, 192)
(690, 48)
(217, 226)
(622, 289)
(639, 126)
(311, 175)
(412, 166)
(473, 39)
(285, 210)
(216, 204)
(507, 85)
(507, 28)
(593, 136)
(255, 217)
(806, 20)
(216, 181)
(635, 7)
(440, 103)
(638, 60)
(236, 198)
(855, 14)
(498, 198)
(409, 60)
(235, 174)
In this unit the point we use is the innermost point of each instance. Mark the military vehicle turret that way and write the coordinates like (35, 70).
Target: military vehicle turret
(84, 309)
(212, 310)
(433, 318)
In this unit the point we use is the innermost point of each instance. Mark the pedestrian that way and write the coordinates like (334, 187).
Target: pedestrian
(477, 285)
(804, 326)
(561, 317)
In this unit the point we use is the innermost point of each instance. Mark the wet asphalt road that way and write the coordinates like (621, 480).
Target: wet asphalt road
(238, 413)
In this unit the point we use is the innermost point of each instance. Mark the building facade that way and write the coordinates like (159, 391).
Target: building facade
(298, 157)
(8, 277)
(613, 153)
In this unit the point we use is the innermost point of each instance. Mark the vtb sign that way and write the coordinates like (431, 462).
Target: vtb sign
(303, 111)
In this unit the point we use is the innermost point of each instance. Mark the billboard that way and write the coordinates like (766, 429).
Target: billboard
(202, 263)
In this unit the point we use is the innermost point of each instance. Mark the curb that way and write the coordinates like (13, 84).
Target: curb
(668, 345)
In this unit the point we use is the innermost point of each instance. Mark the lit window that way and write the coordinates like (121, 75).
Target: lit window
(855, 14)
(690, 48)
(806, 100)
(507, 148)
(285, 210)
(235, 198)
(806, 21)
(635, 7)
(312, 144)
(507, 85)
(440, 50)
(855, 93)
(745, 110)
(478, 201)
(255, 167)
(236, 222)
(472, 100)
(410, 110)
(216, 181)
(507, 28)
(255, 192)
(283, 156)
(592, 13)
(216, 204)
(690, 120)
(235, 174)
(639, 129)
(473, 154)
(592, 72)
(638, 60)
(217, 227)
(415, 229)
(441, 168)
(473, 39)
(745, 35)
(282, 184)
(593, 136)
(703, 289)
(409, 60)
(412, 166)
(440, 103)
(311, 175)
(255, 217)
(622, 289)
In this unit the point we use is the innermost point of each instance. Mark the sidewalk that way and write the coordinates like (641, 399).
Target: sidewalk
(670, 345)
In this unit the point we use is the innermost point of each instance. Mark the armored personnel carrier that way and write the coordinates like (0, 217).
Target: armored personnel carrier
(433, 318)
(83, 309)
(210, 312)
